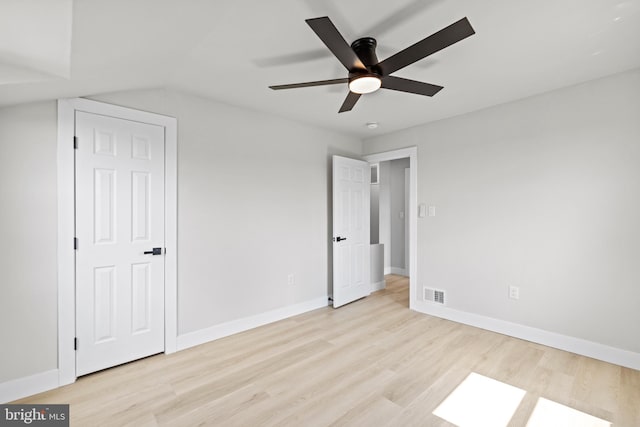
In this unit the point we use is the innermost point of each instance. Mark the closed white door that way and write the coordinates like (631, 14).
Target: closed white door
(351, 194)
(119, 217)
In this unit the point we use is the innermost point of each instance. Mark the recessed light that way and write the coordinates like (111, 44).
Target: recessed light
(372, 125)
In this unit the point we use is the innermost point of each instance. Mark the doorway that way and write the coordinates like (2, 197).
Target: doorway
(389, 219)
(120, 241)
(69, 112)
(401, 254)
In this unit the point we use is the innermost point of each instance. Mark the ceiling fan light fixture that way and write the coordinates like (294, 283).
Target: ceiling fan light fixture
(365, 84)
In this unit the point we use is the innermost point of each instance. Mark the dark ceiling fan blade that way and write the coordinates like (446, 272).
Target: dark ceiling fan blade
(411, 86)
(349, 102)
(446, 37)
(309, 84)
(330, 36)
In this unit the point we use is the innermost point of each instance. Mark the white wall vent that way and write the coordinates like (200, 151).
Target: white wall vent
(434, 295)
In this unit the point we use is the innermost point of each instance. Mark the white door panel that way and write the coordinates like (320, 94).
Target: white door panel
(119, 216)
(351, 192)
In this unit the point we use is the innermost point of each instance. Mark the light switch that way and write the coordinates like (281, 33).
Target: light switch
(432, 211)
(422, 210)
(401, 215)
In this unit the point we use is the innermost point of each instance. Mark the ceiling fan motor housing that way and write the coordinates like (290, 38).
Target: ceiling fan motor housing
(365, 48)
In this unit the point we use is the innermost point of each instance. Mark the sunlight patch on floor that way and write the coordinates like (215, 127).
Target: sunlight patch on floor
(480, 401)
(549, 413)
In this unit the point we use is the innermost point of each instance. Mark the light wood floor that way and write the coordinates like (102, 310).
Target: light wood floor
(371, 363)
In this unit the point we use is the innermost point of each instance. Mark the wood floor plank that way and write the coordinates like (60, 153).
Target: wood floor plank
(368, 413)
(628, 411)
(215, 411)
(370, 363)
(332, 404)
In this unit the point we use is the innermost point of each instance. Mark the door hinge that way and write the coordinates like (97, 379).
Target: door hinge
(75, 243)
(75, 343)
(75, 142)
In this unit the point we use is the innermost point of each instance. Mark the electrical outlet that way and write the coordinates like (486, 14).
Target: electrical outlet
(514, 292)
(291, 280)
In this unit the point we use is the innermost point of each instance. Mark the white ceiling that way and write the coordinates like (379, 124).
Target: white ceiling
(35, 40)
(232, 51)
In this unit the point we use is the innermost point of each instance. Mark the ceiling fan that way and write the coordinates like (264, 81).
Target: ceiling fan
(366, 73)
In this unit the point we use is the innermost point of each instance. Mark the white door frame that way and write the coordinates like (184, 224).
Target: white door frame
(66, 224)
(412, 154)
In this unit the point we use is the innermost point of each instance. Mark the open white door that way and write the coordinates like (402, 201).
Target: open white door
(119, 222)
(351, 192)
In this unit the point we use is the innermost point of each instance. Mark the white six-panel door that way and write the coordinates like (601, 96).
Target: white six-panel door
(119, 216)
(351, 245)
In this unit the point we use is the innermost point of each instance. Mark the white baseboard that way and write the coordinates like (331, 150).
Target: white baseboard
(387, 270)
(202, 336)
(377, 286)
(28, 386)
(575, 345)
(398, 271)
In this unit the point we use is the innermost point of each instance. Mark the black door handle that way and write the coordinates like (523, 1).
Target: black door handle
(339, 239)
(155, 251)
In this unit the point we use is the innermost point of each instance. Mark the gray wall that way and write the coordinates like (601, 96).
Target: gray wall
(384, 198)
(390, 202)
(543, 194)
(28, 240)
(253, 206)
(397, 206)
(374, 214)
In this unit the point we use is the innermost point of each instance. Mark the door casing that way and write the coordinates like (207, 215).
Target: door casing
(66, 223)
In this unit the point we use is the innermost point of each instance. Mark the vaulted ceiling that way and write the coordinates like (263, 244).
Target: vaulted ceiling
(232, 50)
